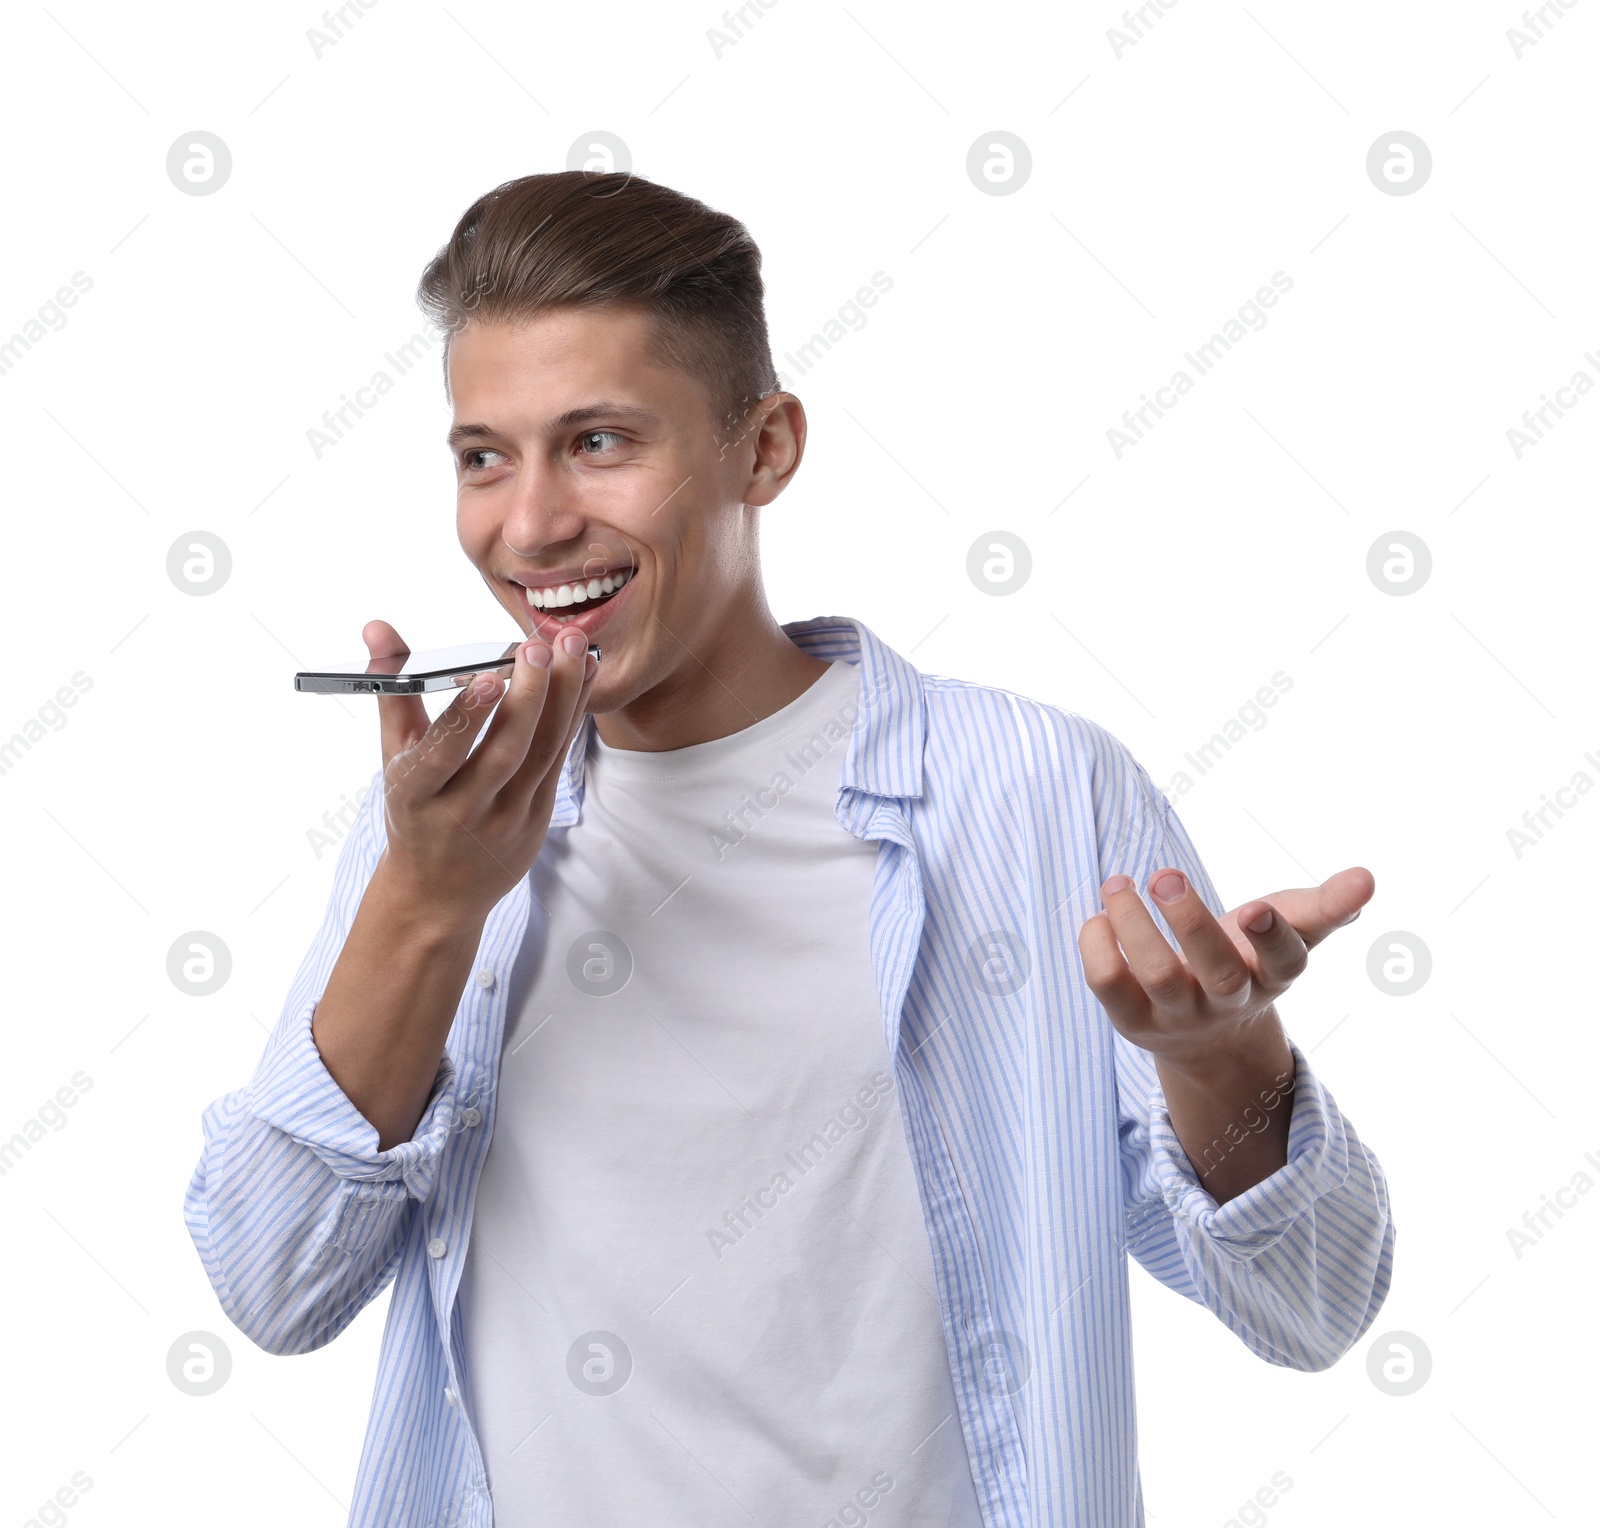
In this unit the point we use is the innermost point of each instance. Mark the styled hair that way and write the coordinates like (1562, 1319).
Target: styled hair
(577, 239)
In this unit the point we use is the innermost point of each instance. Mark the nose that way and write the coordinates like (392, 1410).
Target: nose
(542, 512)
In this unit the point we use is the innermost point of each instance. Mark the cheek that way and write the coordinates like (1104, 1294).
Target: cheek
(476, 526)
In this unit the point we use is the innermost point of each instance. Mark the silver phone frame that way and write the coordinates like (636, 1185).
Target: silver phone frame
(345, 682)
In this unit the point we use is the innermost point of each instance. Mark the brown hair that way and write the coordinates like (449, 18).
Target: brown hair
(579, 239)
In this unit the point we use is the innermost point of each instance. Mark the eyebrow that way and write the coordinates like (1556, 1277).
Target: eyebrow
(590, 413)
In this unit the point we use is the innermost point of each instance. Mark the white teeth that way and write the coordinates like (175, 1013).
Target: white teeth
(577, 593)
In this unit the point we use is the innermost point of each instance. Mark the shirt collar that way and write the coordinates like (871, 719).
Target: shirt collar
(884, 757)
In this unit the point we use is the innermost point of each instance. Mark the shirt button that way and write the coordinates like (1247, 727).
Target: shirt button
(471, 1117)
(437, 1247)
(486, 979)
(451, 1396)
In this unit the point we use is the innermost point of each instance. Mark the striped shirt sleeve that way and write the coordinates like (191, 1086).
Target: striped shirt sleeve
(1298, 1266)
(298, 1218)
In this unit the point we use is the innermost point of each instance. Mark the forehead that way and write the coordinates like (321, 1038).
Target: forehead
(547, 358)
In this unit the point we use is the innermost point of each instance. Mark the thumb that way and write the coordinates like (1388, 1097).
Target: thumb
(402, 719)
(1314, 912)
(1345, 894)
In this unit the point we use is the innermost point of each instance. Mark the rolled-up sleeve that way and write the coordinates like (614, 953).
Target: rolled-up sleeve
(300, 1221)
(1297, 1266)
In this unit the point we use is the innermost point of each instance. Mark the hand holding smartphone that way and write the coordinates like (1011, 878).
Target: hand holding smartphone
(464, 824)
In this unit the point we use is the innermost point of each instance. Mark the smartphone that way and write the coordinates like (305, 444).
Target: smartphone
(439, 668)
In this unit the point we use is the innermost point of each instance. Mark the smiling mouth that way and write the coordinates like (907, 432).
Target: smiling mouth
(566, 602)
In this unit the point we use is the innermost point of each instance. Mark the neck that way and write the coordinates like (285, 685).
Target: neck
(748, 671)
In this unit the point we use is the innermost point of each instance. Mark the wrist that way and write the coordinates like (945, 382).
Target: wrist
(1255, 1055)
(408, 911)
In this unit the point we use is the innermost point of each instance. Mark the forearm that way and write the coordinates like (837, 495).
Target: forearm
(386, 1011)
(1230, 1109)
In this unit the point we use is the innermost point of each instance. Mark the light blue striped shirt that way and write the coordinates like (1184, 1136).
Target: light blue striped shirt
(1039, 1137)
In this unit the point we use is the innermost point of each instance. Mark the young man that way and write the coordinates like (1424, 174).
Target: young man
(752, 1062)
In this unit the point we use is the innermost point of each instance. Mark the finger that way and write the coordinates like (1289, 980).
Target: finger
(1316, 911)
(1279, 950)
(435, 758)
(581, 704)
(505, 745)
(1158, 967)
(570, 684)
(1109, 978)
(402, 719)
(1341, 898)
(1214, 959)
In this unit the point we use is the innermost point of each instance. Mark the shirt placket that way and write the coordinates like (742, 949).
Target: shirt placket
(896, 938)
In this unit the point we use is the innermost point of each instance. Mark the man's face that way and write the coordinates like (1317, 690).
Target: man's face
(579, 459)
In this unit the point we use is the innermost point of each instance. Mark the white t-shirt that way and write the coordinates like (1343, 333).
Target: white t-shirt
(699, 1288)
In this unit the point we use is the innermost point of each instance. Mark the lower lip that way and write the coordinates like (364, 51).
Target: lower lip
(589, 623)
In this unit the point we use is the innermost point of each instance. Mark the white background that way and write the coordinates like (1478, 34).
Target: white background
(1167, 185)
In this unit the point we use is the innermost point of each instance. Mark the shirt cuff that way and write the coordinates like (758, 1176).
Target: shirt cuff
(1318, 1163)
(293, 1091)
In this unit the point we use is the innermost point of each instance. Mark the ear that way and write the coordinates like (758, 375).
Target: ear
(777, 434)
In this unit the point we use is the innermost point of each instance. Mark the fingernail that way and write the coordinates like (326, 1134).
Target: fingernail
(537, 654)
(1116, 883)
(1261, 922)
(484, 686)
(1169, 886)
(572, 643)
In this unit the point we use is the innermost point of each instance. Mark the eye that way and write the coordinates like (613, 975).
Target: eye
(598, 435)
(470, 459)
